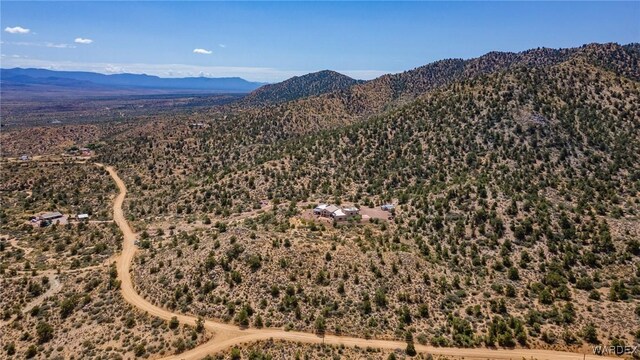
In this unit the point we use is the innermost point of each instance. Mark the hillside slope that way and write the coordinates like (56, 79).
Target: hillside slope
(516, 223)
(373, 97)
(517, 206)
(298, 87)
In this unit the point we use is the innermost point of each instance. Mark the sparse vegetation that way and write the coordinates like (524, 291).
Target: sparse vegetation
(515, 179)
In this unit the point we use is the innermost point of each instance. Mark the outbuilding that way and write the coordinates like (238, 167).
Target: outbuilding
(388, 207)
(83, 216)
(51, 216)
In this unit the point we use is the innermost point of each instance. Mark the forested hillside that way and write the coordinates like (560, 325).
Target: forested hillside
(516, 178)
(337, 108)
(298, 87)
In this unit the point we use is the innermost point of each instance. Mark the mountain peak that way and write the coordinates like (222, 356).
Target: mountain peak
(298, 87)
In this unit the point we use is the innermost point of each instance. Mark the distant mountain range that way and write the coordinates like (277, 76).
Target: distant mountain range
(326, 94)
(79, 82)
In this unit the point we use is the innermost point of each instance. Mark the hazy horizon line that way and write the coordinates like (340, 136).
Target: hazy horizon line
(253, 74)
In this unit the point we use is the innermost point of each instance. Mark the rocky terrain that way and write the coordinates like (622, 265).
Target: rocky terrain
(516, 223)
(60, 298)
(515, 179)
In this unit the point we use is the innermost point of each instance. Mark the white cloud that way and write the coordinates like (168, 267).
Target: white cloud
(59, 46)
(40, 44)
(17, 30)
(222, 45)
(202, 51)
(82, 41)
(114, 69)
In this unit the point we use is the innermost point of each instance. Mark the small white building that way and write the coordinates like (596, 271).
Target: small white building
(82, 217)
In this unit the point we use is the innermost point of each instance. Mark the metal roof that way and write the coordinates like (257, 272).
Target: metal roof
(332, 208)
(51, 215)
(339, 213)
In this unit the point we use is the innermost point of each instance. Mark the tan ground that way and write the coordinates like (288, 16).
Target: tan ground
(226, 336)
(36, 277)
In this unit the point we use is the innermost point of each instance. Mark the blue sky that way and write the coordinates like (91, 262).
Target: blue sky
(271, 41)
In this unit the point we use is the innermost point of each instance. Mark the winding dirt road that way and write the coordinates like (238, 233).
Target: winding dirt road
(225, 335)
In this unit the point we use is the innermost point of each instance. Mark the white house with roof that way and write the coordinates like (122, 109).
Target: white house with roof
(336, 212)
(319, 209)
(329, 210)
